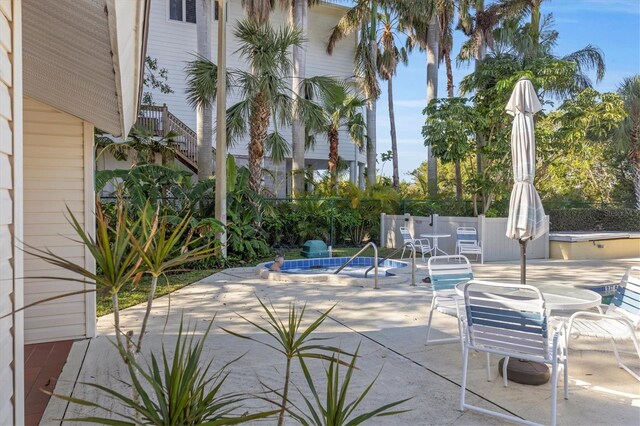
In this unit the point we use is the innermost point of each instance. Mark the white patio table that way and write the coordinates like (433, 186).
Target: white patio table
(434, 246)
(560, 297)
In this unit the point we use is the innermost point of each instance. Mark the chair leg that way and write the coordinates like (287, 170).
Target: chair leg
(402, 255)
(488, 366)
(637, 346)
(463, 385)
(505, 366)
(615, 351)
(554, 391)
(566, 377)
(430, 317)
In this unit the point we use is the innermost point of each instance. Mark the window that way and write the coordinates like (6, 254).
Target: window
(182, 10)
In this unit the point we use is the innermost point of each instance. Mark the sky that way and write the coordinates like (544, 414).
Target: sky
(611, 25)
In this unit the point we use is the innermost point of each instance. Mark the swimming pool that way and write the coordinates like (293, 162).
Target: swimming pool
(322, 270)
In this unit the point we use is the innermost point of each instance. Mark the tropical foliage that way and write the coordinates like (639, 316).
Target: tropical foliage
(267, 99)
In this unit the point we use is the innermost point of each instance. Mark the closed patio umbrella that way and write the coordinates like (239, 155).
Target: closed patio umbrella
(526, 219)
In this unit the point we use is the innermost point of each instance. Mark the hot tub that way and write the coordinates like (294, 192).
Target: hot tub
(322, 270)
(594, 245)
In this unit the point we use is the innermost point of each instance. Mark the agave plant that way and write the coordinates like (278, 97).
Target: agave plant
(291, 341)
(185, 391)
(336, 411)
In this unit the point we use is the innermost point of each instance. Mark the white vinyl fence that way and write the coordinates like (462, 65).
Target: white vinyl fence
(491, 233)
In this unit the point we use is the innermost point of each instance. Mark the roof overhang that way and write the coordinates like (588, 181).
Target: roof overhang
(86, 58)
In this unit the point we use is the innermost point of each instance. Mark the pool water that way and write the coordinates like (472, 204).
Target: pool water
(323, 266)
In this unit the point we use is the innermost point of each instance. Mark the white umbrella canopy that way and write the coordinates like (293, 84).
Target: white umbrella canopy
(526, 219)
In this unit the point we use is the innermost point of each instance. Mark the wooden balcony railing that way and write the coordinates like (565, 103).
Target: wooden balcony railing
(159, 122)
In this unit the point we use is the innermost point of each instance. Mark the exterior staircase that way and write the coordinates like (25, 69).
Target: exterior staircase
(159, 122)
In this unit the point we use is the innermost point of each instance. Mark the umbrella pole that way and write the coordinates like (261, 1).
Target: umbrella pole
(523, 261)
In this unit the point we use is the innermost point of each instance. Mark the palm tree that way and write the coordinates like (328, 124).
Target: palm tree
(628, 134)
(342, 108)
(204, 119)
(363, 17)
(389, 55)
(266, 96)
(537, 38)
(298, 17)
(258, 11)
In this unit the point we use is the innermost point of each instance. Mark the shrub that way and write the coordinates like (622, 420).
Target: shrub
(595, 220)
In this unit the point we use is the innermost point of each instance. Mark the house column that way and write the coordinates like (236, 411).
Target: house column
(353, 172)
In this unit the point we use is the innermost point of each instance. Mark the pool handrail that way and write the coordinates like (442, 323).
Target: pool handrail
(413, 266)
(375, 263)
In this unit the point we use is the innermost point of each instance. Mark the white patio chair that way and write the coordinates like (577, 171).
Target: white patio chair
(420, 246)
(445, 273)
(467, 242)
(511, 320)
(620, 320)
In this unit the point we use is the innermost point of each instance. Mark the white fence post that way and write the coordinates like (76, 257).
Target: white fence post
(481, 232)
(546, 238)
(383, 232)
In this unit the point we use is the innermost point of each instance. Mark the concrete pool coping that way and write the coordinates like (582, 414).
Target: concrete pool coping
(390, 326)
(592, 236)
(391, 275)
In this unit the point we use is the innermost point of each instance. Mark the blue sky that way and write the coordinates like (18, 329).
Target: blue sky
(611, 25)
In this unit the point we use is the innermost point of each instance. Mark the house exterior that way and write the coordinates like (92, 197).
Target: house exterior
(66, 67)
(173, 42)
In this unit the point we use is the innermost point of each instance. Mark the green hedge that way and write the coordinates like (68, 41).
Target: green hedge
(593, 220)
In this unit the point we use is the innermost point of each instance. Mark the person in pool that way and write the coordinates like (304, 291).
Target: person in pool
(277, 264)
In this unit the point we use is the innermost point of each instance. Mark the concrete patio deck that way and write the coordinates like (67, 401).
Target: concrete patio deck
(390, 326)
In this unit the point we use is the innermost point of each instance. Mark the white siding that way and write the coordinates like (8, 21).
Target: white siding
(173, 44)
(57, 166)
(11, 349)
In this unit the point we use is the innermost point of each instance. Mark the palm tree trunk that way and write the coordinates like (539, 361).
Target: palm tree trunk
(394, 138)
(480, 140)
(635, 169)
(299, 14)
(433, 41)
(449, 68)
(333, 157)
(204, 119)
(372, 153)
(259, 123)
(535, 27)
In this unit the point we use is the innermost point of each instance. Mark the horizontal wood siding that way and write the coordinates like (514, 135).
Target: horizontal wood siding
(54, 166)
(8, 391)
(173, 44)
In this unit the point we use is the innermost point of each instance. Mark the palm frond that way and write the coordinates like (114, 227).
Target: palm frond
(587, 59)
(277, 147)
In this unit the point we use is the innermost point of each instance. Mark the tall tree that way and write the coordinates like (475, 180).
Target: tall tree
(258, 10)
(421, 17)
(342, 108)
(266, 96)
(628, 135)
(204, 118)
(363, 17)
(389, 56)
(299, 19)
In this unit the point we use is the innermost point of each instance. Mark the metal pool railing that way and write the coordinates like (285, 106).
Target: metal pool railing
(393, 253)
(375, 263)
